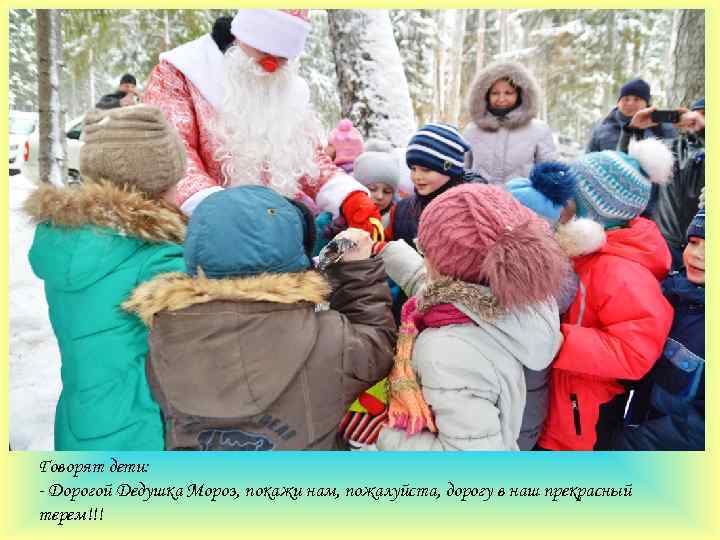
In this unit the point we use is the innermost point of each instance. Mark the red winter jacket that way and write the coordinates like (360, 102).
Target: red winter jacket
(614, 330)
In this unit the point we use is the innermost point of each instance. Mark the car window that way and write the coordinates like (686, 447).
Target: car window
(75, 131)
(21, 126)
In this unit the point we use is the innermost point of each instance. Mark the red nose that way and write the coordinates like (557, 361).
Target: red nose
(269, 63)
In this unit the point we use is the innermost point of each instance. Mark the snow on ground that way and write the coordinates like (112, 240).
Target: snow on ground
(34, 356)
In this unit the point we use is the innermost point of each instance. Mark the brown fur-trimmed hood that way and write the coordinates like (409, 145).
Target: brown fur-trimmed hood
(103, 204)
(176, 291)
(530, 93)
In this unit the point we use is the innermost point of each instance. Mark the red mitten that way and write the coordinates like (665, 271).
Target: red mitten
(357, 209)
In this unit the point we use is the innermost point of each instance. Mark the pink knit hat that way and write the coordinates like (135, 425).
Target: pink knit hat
(347, 141)
(481, 234)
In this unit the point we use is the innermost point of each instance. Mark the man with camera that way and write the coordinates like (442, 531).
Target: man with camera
(634, 96)
(677, 202)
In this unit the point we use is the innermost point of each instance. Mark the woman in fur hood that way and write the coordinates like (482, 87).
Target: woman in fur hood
(506, 138)
(93, 244)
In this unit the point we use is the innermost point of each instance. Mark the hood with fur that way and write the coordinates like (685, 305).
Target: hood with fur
(529, 90)
(177, 291)
(85, 233)
(238, 343)
(103, 204)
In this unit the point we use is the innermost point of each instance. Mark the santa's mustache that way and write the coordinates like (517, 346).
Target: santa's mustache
(266, 125)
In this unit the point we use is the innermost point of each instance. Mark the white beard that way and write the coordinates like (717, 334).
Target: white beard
(266, 126)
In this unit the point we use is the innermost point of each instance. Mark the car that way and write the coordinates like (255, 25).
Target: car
(73, 131)
(22, 127)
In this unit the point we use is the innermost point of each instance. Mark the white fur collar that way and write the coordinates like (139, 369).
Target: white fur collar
(202, 64)
(580, 236)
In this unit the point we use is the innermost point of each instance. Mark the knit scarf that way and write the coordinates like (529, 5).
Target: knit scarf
(407, 409)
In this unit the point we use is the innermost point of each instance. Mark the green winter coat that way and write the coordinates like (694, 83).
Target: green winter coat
(93, 245)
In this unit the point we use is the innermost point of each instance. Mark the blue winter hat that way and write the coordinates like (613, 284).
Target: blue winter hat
(699, 105)
(550, 186)
(614, 187)
(438, 147)
(697, 225)
(245, 231)
(636, 87)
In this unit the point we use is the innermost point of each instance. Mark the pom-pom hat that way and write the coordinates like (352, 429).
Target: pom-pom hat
(481, 234)
(347, 140)
(614, 187)
(550, 186)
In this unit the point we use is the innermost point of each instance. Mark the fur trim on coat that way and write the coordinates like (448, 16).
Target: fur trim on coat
(530, 93)
(103, 204)
(175, 291)
(477, 298)
(580, 236)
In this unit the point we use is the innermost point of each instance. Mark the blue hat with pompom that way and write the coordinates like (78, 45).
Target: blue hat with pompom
(550, 186)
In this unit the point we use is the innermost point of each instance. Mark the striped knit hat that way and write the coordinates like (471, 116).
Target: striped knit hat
(614, 187)
(438, 147)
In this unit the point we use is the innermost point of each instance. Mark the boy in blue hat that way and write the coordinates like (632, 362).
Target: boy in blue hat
(240, 356)
(668, 408)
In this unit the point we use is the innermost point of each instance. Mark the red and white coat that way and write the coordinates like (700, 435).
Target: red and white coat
(187, 86)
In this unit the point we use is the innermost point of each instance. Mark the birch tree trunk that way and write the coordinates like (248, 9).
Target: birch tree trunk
(166, 21)
(52, 162)
(688, 58)
(452, 113)
(374, 92)
(440, 65)
(91, 78)
(610, 95)
(503, 23)
(480, 48)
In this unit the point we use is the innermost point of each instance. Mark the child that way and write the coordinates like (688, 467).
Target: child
(546, 192)
(93, 244)
(618, 323)
(345, 143)
(667, 411)
(240, 358)
(486, 311)
(435, 155)
(379, 172)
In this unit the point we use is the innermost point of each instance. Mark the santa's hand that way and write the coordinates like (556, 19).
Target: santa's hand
(358, 209)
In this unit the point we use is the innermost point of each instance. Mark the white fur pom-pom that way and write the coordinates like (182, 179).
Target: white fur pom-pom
(655, 158)
(580, 236)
